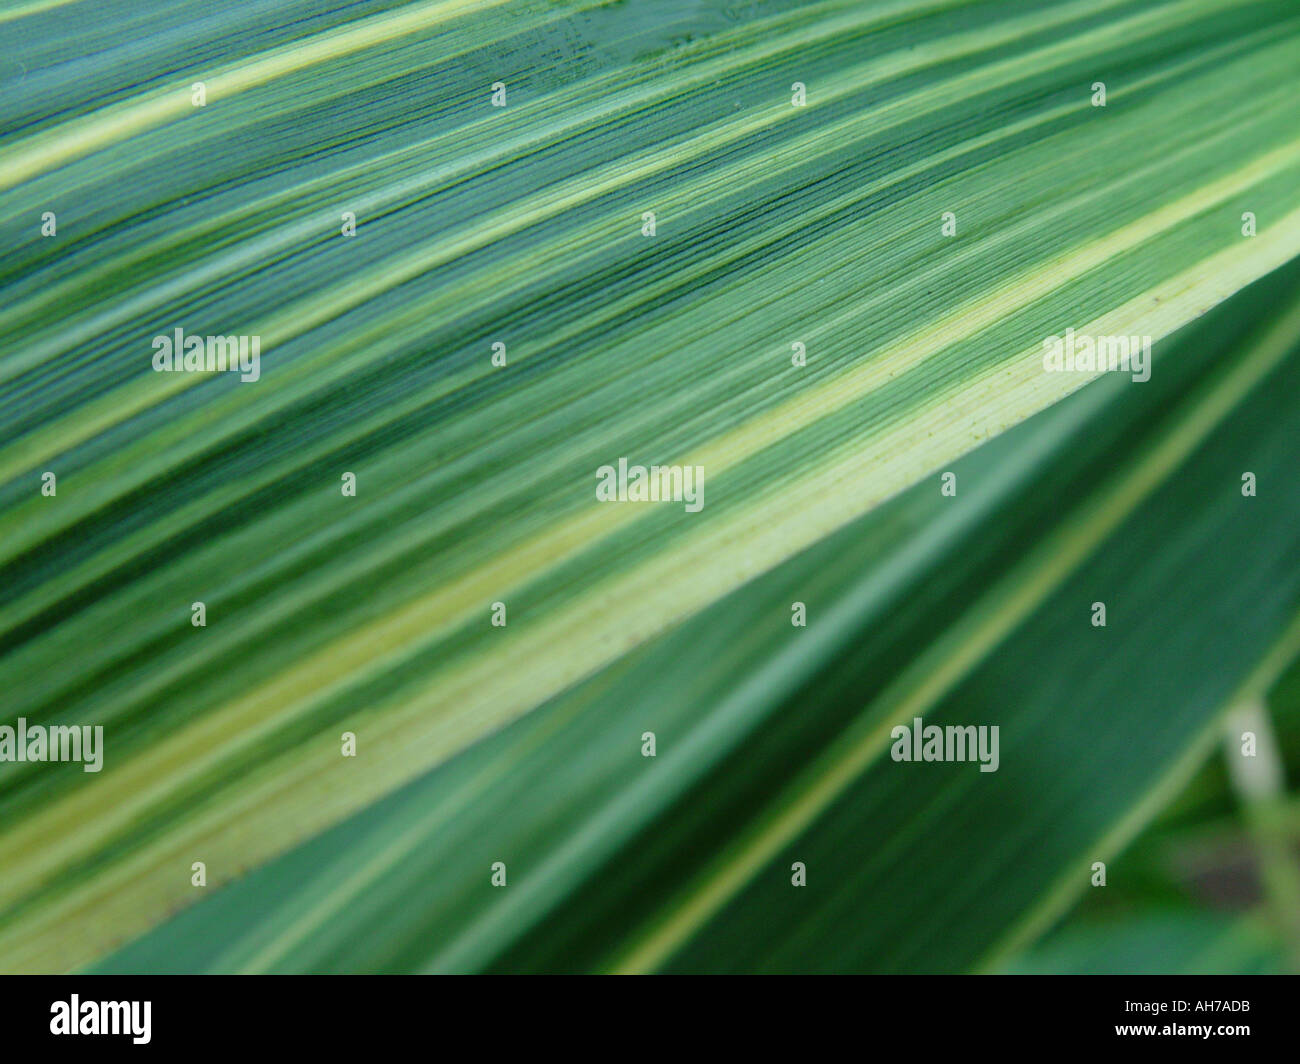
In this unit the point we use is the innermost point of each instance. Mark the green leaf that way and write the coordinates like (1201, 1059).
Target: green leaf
(775, 224)
(773, 742)
(1179, 942)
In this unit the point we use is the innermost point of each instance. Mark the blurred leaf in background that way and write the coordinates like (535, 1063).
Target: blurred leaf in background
(1190, 894)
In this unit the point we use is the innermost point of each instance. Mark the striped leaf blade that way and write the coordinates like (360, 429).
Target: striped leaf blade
(775, 224)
